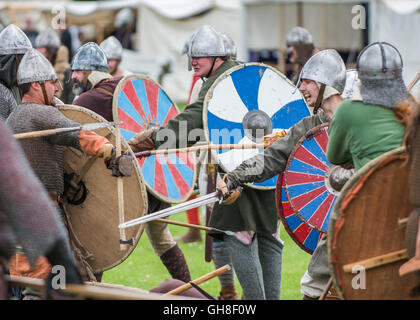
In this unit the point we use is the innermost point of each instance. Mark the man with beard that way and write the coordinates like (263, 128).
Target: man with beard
(37, 82)
(13, 45)
(96, 88)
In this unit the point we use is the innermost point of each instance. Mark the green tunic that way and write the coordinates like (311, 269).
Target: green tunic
(255, 210)
(360, 132)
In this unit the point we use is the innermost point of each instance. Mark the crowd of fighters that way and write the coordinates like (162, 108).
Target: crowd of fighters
(379, 116)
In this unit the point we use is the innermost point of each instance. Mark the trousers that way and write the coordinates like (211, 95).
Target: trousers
(257, 265)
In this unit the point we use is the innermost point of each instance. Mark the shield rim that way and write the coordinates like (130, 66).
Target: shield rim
(280, 214)
(117, 90)
(316, 131)
(336, 216)
(137, 169)
(209, 96)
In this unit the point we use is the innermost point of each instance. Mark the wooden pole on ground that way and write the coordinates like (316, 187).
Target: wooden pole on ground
(197, 281)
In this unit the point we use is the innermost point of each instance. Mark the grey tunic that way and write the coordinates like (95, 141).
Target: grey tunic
(44, 154)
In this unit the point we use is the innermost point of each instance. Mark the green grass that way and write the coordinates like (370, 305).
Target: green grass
(143, 268)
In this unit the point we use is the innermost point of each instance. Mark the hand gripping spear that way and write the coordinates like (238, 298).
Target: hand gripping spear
(50, 132)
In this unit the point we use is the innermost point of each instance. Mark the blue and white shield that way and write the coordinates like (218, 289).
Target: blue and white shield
(246, 103)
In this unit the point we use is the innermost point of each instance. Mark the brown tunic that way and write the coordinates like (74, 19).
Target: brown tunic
(99, 99)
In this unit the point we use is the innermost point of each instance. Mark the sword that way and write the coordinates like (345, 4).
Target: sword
(201, 201)
(50, 132)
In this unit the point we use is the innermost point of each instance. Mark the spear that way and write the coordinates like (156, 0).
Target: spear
(268, 140)
(148, 153)
(50, 132)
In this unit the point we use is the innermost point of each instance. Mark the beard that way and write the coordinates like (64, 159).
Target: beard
(80, 87)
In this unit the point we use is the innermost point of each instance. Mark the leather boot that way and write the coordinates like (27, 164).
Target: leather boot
(228, 293)
(193, 235)
(174, 261)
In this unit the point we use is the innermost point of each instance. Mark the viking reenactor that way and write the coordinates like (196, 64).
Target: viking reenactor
(27, 217)
(367, 132)
(113, 51)
(49, 44)
(219, 252)
(255, 211)
(322, 81)
(37, 82)
(96, 88)
(369, 125)
(300, 47)
(13, 45)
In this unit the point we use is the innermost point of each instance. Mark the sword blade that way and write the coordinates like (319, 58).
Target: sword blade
(201, 201)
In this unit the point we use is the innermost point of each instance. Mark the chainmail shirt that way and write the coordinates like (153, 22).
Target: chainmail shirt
(45, 154)
(7, 102)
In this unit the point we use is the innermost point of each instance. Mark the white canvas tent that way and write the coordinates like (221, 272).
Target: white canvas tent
(164, 25)
(267, 22)
(398, 22)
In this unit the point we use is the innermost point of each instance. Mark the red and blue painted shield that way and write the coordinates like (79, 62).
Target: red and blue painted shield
(306, 183)
(142, 104)
(303, 235)
(246, 103)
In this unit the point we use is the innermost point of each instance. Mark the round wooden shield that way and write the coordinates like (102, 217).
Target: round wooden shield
(366, 238)
(141, 104)
(306, 180)
(93, 215)
(245, 103)
(303, 235)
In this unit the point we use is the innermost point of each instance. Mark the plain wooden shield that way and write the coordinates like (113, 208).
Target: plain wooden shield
(94, 222)
(366, 237)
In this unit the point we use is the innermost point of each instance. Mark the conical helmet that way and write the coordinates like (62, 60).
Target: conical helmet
(14, 41)
(47, 39)
(124, 16)
(112, 47)
(379, 66)
(34, 67)
(326, 67)
(90, 56)
(298, 35)
(352, 84)
(187, 43)
(207, 42)
(379, 61)
(229, 44)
